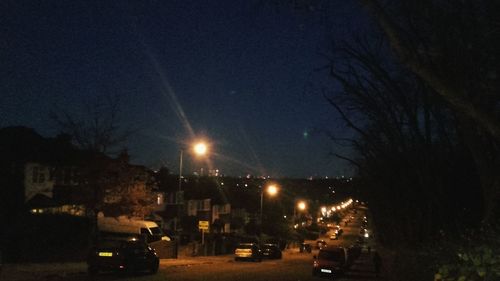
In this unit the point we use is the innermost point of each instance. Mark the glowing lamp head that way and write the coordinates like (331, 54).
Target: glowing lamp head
(200, 148)
(301, 205)
(272, 190)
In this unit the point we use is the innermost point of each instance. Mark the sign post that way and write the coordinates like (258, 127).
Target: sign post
(202, 226)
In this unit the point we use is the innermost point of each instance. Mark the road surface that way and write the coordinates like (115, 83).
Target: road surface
(294, 266)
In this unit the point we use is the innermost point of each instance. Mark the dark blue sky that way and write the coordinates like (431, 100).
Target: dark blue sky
(238, 73)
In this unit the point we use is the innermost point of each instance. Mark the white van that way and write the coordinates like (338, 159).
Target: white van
(123, 226)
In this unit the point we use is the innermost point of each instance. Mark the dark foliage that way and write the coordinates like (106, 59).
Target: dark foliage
(47, 238)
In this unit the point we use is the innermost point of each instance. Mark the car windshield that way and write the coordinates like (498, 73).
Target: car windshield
(156, 231)
(135, 245)
(245, 246)
(109, 244)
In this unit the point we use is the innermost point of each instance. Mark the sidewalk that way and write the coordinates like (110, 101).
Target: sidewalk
(363, 268)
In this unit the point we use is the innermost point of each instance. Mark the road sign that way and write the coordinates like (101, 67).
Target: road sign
(203, 225)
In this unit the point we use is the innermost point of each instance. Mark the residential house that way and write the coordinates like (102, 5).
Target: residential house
(46, 189)
(221, 217)
(202, 209)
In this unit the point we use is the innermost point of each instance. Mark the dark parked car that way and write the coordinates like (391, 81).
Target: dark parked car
(354, 251)
(249, 251)
(271, 251)
(331, 261)
(127, 255)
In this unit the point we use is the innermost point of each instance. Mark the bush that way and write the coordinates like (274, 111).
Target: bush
(307, 234)
(40, 238)
(476, 257)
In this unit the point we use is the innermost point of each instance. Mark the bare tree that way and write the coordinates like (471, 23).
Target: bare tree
(453, 47)
(406, 141)
(99, 129)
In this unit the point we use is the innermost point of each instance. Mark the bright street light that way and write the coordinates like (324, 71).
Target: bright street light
(272, 190)
(302, 205)
(200, 148)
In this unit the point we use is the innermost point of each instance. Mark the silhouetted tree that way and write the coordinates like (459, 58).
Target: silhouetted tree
(98, 128)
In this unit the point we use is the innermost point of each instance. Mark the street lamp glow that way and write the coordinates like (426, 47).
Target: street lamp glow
(200, 148)
(272, 190)
(301, 205)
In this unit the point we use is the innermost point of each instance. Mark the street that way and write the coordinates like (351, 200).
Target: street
(293, 266)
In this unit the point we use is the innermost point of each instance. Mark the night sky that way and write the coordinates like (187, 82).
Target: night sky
(241, 74)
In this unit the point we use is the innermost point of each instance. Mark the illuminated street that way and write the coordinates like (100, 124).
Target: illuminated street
(250, 140)
(293, 266)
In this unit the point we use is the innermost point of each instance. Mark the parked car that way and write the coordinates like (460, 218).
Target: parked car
(271, 251)
(354, 251)
(339, 230)
(331, 261)
(248, 251)
(128, 255)
(321, 244)
(305, 247)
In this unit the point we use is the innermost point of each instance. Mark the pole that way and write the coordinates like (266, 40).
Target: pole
(180, 171)
(294, 213)
(180, 189)
(261, 204)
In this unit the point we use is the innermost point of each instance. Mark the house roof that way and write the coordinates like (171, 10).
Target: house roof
(41, 201)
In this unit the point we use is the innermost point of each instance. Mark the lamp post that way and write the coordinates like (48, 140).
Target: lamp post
(180, 170)
(298, 204)
(177, 200)
(272, 190)
(200, 148)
